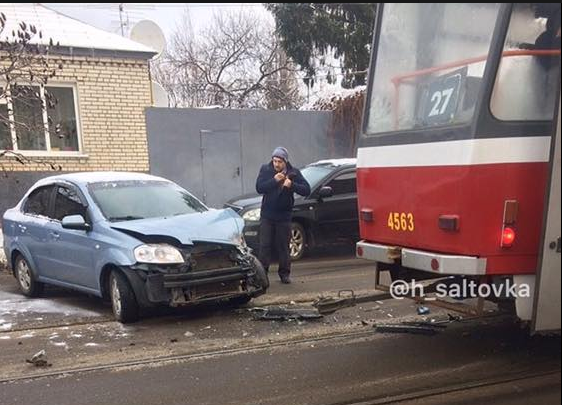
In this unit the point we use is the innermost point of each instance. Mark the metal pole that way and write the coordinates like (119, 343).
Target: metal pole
(121, 18)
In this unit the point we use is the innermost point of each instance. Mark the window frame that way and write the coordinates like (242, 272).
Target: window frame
(50, 206)
(48, 151)
(336, 175)
(80, 195)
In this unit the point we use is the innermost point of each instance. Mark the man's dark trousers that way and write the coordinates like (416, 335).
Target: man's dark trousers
(278, 234)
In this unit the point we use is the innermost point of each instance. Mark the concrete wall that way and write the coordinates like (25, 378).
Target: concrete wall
(216, 154)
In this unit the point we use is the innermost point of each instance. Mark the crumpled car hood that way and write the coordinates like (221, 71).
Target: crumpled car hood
(220, 226)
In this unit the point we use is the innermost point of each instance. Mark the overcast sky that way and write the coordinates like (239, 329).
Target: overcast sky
(167, 15)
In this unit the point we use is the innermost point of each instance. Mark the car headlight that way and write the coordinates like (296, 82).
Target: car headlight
(252, 215)
(158, 254)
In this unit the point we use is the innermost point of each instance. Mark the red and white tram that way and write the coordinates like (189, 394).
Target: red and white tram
(457, 168)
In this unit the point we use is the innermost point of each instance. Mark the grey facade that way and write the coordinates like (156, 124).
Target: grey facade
(216, 154)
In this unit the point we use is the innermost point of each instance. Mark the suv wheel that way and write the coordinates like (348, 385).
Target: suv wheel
(297, 244)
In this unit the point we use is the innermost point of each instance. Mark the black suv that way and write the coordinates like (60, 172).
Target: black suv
(328, 215)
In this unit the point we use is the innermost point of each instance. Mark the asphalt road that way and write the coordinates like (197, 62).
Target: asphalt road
(223, 355)
(366, 369)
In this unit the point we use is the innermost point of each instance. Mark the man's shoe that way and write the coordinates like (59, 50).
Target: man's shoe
(285, 280)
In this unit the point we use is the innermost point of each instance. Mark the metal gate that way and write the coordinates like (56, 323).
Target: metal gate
(221, 168)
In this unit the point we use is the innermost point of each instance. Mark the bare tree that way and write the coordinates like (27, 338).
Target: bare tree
(25, 69)
(236, 62)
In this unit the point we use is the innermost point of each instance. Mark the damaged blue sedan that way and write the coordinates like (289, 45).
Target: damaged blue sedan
(134, 239)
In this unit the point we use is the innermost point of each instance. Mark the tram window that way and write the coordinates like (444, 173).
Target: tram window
(527, 83)
(429, 75)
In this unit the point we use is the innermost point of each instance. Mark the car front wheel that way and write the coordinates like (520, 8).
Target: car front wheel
(123, 301)
(26, 279)
(297, 244)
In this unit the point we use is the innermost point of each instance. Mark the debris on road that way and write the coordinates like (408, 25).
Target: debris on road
(423, 310)
(285, 314)
(39, 359)
(454, 318)
(346, 298)
(439, 325)
(398, 328)
(417, 327)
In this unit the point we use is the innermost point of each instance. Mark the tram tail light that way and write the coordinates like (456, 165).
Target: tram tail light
(508, 237)
(510, 211)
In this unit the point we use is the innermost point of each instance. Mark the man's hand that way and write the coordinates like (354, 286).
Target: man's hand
(287, 183)
(279, 177)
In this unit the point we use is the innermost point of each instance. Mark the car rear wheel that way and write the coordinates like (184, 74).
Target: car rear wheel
(123, 301)
(26, 279)
(297, 243)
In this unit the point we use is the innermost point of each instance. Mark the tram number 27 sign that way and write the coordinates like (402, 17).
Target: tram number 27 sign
(442, 97)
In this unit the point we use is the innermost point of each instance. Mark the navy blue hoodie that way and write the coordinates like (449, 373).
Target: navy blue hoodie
(277, 202)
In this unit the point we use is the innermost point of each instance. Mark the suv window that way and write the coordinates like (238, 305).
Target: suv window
(345, 183)
(67, 202)
(38, 201)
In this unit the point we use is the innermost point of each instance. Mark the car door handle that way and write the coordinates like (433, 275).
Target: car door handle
(55, 235)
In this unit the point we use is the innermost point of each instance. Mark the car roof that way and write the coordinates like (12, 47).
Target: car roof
(84, 178)
(335, 162)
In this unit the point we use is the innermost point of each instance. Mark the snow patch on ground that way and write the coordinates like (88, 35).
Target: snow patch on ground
(60, 344)
(5, 325)
(2, 256)
(16, 304)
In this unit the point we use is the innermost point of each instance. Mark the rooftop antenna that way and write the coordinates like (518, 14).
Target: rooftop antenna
(121, 19)
(149, 33)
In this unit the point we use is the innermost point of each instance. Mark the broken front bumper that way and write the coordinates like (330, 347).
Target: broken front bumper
(175, 286)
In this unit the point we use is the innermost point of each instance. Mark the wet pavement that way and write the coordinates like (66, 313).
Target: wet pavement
(338, 357)
(77, 330)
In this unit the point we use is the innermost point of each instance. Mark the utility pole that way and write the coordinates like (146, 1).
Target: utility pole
(121, 19)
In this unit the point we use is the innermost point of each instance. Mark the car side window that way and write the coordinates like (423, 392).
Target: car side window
(67, 202)
(345, 183)
(38, 201)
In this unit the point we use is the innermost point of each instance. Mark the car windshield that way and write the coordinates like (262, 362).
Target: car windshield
(129, 200)
(314, 174)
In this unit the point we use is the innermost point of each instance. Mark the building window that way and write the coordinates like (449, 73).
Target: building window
(5, 133)
(63, 131)
(30, 127)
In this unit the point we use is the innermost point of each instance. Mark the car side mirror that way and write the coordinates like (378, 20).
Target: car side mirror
(325, 192)
(76, 222)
